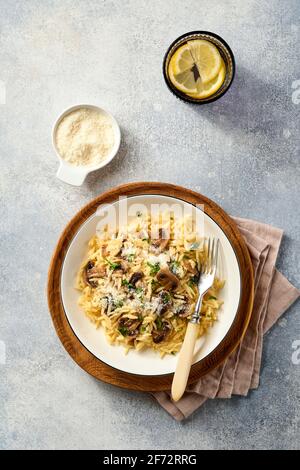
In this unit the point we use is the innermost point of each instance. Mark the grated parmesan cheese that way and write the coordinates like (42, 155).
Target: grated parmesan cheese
(85, 137)
(162, 259)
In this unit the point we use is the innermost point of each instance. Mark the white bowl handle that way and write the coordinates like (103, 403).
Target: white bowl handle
(71, 175)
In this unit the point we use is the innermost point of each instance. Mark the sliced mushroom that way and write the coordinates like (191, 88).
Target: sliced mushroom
(135, 278)
(161, 309)
(161, 243)
(108, 303)
(159, 335)
(131, 325)
(91, 273)
(165, 302)
(183, 311)
(122, 265)
(190, 266)
(99, 271)
(167, 279)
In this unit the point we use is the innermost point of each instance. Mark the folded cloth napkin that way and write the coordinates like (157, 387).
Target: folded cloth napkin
(273, 296)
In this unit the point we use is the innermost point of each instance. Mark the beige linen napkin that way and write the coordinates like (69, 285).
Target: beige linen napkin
(273, 296)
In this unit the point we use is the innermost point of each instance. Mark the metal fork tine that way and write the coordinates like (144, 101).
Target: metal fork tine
(207, 259)
(202, 267)
(211, 247)
(211, 256)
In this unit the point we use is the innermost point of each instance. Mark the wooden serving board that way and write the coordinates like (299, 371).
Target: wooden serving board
(95, 366)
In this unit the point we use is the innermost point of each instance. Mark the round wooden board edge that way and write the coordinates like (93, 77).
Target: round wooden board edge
(108, 374)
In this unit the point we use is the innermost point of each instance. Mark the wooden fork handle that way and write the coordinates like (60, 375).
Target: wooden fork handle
(184, 361)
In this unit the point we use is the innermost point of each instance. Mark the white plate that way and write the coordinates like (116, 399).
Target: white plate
(146, 362)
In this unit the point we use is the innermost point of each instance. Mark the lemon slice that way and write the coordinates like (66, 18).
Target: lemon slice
(181, 72)
(182, 59)
(207, 58)
(197, 69)
(208, 89)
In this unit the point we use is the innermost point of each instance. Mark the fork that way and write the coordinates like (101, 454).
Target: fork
(207, 274)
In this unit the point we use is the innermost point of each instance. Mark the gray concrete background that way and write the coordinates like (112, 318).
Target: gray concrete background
(242, 151)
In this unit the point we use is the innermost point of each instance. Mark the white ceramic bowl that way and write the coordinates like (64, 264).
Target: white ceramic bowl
(75, 175)
(146, 362)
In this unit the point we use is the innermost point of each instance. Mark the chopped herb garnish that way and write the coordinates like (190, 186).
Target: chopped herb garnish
(127, 284)
(159, 324)
(130, 258)
(165, 298)
(212, 297)
(112, 265)
(118, 303)
(143, 329)
(145, 239)
(140, 317)
(154, 268)
(193, 281)
(123, 330)
(139, 290)
(140, 293)
(154, 284)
